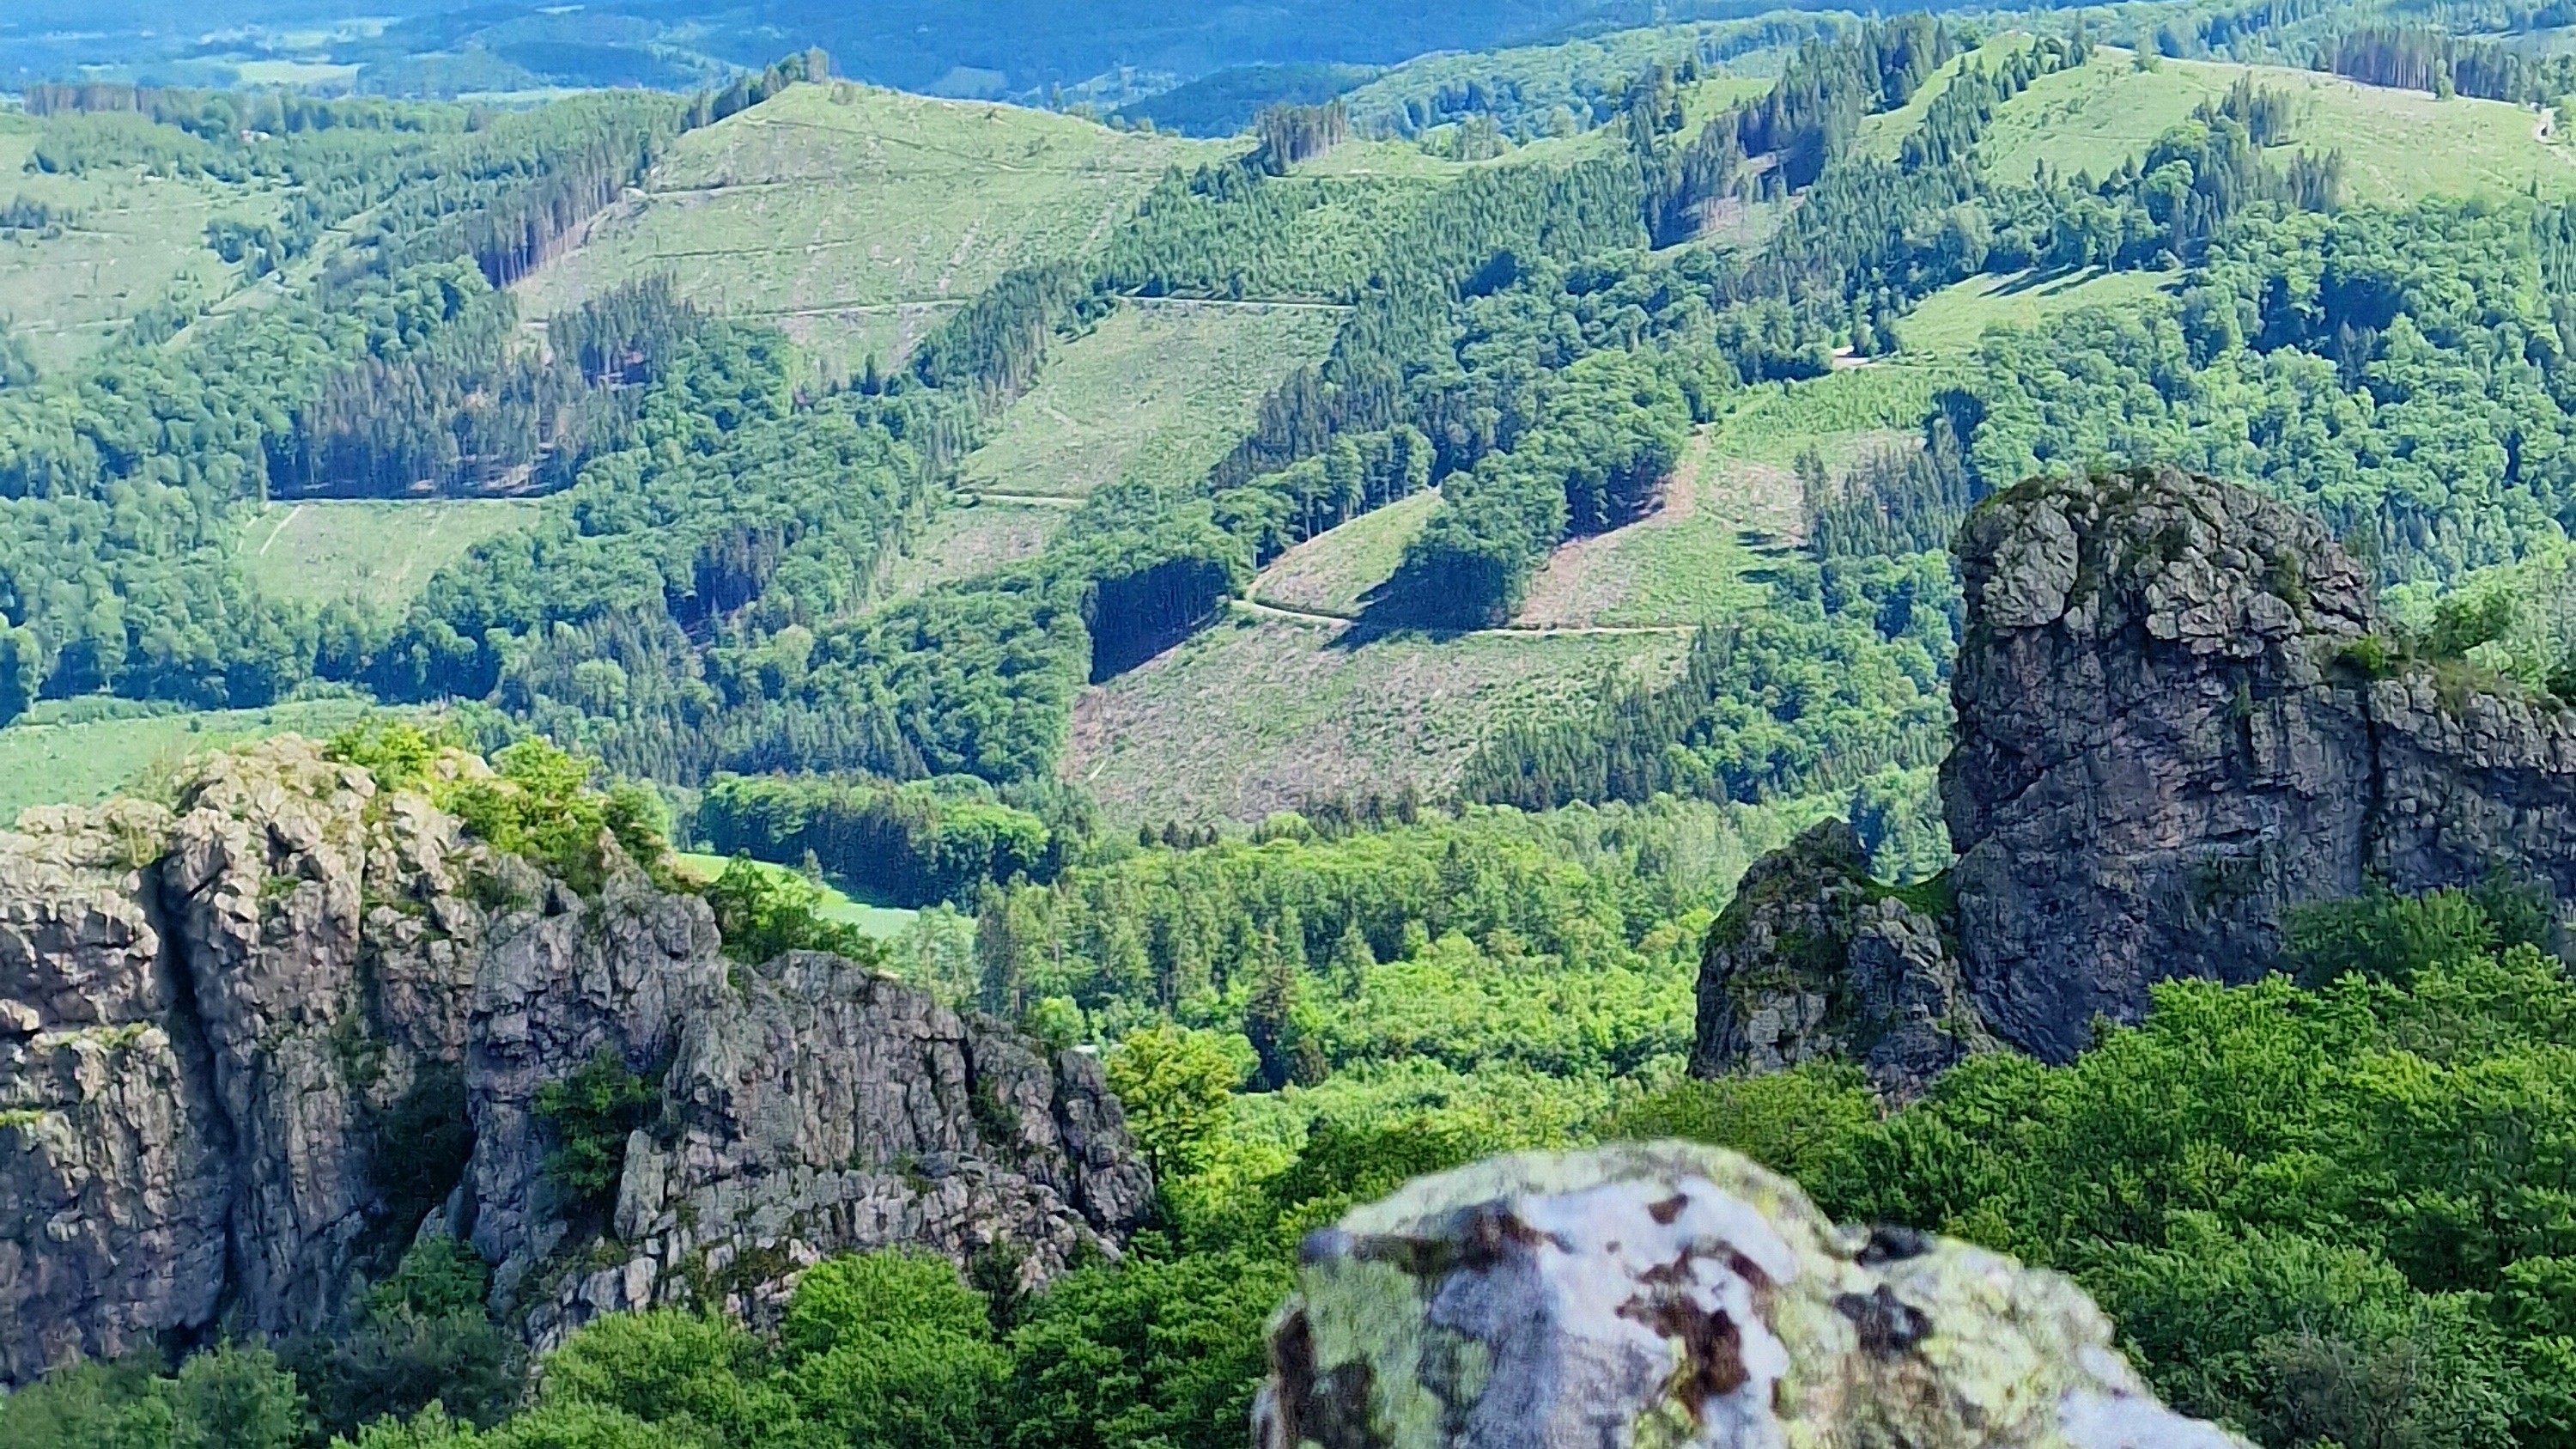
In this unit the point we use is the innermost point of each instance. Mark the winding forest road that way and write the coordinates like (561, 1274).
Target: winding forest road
(1261, 610)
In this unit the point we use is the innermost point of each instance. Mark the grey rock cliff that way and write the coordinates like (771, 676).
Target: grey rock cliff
(823, 1109)
(234, 1036)
(116, 1177)
(1813, 959)
(1668, 1295)
(2156, 749)
(2179, 714)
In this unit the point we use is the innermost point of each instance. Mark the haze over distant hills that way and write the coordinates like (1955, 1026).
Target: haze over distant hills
(1016, 48)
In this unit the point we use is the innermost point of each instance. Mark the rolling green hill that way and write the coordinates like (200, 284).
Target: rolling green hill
(2397, 145)
(854, 214)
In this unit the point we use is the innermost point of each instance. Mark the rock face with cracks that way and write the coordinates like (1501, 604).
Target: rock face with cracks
(1663, 1295)
(250, 1047)
(2180, 713)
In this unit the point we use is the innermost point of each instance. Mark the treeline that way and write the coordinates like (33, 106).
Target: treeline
(994, 345)
(1489, 939)
(1355, 473)
(2367, 391)
(511, 200)
(1573, 85)
(1290, 134)
(1957, 118)
(909, 844)
(1811, 114)
(472, 406)
(1840, 680)
(2423, 58)
(24, 213)
(217, 115)
(746, 91)
(1611, 427)
(1892, 499)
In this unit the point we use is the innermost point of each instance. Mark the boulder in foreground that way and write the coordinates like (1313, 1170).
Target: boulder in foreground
(1661, 1295)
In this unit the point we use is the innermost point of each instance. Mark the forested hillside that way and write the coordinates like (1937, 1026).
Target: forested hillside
(1308, 578)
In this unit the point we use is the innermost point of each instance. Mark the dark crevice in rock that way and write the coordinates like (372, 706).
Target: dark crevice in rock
(1884, 1323)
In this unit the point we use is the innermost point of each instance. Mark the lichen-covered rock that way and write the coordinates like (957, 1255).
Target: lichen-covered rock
(246, 1050)
(1814, 959)
(1665, 1295)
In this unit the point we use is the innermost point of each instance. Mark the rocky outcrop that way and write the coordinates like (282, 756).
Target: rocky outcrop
(2179, 714)
(1669, 1295)
(1814, 959)
(2204, 722)
(248, 1047)
(821, 1109)
(2157, 747)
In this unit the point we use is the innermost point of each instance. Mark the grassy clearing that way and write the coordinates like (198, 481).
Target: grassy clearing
(2397, 145)
(886, 922)
(1258, 715)
(1333, 572)
(372, 552)
(134, 241)
(58, 757)
(1158, 391)
(846, 337)
(977, 538)
(1774, 422)
(1684, 564)
(1950, 322)
(839, 196)
(1712, 95)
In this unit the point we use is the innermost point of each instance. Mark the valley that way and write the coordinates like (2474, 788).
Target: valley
(739, 759)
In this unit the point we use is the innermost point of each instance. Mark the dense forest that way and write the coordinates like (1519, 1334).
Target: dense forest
(1561, 279)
